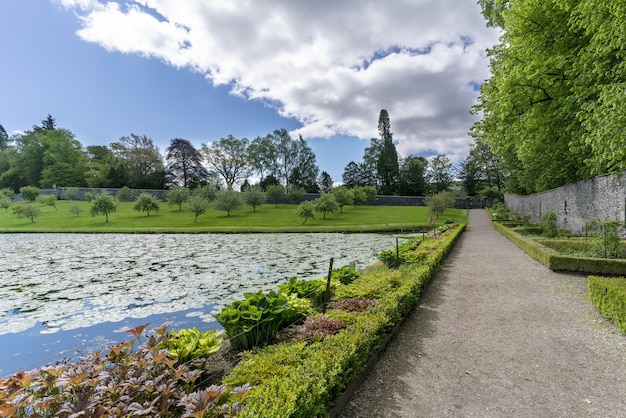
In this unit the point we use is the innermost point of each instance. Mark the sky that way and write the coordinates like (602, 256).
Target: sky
(202, 70)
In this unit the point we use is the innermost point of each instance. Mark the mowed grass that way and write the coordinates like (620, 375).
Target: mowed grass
(267, 218)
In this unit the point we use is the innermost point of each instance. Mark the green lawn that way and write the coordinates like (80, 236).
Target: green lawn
(267, 218)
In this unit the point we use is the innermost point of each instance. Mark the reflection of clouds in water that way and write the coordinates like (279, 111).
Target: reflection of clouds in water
(67, 281)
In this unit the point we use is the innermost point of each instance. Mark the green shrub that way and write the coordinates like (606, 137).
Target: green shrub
(189, 344)
(608, 295)
(256, 320)
(70, 193)
(345, 275)
(29, 193)
(395, 257)
(314, 290)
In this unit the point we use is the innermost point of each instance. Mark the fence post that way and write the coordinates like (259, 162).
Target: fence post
(327, 294)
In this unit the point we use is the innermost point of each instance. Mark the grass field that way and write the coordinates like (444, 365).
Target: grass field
(267, 218)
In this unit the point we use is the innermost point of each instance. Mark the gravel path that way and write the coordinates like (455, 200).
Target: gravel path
(498, 335)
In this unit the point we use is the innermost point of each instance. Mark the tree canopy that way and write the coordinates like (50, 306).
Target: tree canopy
(553, 109)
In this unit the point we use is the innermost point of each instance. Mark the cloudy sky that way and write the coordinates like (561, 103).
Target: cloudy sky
(202, 70)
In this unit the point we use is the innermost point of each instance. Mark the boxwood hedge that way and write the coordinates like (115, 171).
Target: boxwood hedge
(608, 295)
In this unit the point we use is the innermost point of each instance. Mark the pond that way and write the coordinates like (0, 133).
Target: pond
(61, 293)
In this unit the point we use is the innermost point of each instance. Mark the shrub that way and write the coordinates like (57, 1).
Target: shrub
(5, 202)
(29, 193)
(394, 257)
(48, 200)
(608, 295)
(70, 193)
(76, 210)
(314, 290)
(315, 329)
(189, 344)
(257, 319)
(345, 275)
(353, 304)
(548, 224)
(27, 211)
(8, 193)
(125, 193)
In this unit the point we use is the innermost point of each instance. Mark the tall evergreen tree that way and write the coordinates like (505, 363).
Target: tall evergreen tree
(387, 164)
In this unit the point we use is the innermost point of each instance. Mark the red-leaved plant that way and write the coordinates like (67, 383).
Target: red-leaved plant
(124, 382)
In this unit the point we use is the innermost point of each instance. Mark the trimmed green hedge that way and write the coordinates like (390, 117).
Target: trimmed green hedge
(309, 379)
(608, 295)
(559, 262)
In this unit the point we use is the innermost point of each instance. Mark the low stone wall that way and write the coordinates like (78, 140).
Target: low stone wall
(601, 198)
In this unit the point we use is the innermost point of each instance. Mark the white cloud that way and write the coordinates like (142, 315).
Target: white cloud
(332, 64)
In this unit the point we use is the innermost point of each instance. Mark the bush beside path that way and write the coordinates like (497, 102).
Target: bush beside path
(498, 334)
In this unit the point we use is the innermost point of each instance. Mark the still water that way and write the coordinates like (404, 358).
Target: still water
(60, 293)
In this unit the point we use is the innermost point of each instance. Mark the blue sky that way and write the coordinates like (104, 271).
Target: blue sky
(203, 70)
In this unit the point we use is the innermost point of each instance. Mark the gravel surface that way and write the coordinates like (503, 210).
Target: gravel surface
(498, 335)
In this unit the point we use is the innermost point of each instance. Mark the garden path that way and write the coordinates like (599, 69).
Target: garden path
(497, 334)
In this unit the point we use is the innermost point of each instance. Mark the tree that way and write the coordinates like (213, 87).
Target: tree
(358, 195)
(145, 202)
(295, 194)
(228, 200)
(30, 193)
(306, 210)
(343, 196)
(48, 200)
(325, 182)
(268, 181)
(178, 196)
(105, 169)
(326, 203)
(229, 158)
(275, 194)
(28, 211)
(387, 164)
(103, 203)
(76, 210)
(440, 202)
(254, 197)
(359, 174)
(412, 178)
(469, 175)
(304, 173)
(439, 173)
(143, 159)
(5, 202)
(184, 164)
(4, 138)
(70, 193)
(198, 205)
(207, 192)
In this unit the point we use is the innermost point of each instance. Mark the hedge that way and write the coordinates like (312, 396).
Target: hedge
(559, 262)
(309, 379)
(608, 295)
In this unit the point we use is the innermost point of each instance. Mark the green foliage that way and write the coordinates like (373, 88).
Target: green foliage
(306, 210)
(314, 290)
(76, 210)
(47, 200)
(207, 192)
(345, 275)
(492, 193)
(608, 295)
(103, 204)
(343, 196)
(395, 257)
(228, 200)
(607, 243)
(257, 319)
(440, 202)
(275, 193)
(29, 193)
(198, 205)
(254, 197)
(295, 193)
(5, 202)
(176, 196)
(326, 203)
(190, 344)
(358, 195)
(70, 193)
(6, 192)
(125, 193)
(315, 329)
(27, 211)
(548, 224)
(147, 203)
(126, 381)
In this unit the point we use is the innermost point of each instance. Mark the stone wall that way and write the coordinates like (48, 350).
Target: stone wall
(601, 198)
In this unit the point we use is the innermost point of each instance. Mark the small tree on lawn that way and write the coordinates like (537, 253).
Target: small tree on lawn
(343, 196)
(145, 202)
(275, 193)
(227, 200)
(440, 202)
(254, 197)
(103, 204)
(5, 202)
(9, 193)
(29, 211)
(76, 210)
(48, 200)
(29, 193)
(198, 205)
(207, 192)
(177, 196)
(306, 210)
(326, 203)
(358, 196)
(370, 193)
